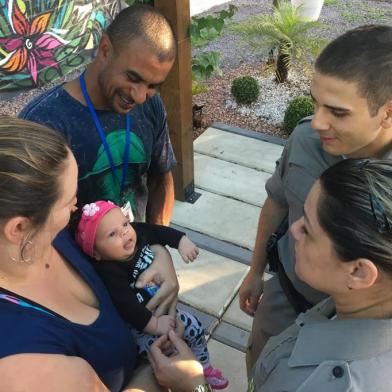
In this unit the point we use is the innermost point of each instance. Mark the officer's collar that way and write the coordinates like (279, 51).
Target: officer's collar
(320, 339)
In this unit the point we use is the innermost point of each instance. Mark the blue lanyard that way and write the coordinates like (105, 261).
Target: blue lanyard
(103, 138)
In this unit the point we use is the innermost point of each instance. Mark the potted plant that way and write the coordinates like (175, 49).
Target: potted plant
(287, 32)
(308, 9)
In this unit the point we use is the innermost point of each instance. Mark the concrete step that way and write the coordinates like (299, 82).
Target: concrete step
(219, 217)
(210, 283)
(232, 364)
(230, 179)
(249, 152)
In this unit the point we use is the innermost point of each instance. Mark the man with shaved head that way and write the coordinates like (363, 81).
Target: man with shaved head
(115, 123)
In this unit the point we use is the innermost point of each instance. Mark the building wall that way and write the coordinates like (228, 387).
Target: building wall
(42, 40)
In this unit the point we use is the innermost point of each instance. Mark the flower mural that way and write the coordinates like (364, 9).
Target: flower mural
(41, 40)
(32, 44)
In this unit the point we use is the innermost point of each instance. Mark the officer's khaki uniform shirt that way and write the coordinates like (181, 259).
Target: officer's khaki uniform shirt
(301, 164)
(319, 354)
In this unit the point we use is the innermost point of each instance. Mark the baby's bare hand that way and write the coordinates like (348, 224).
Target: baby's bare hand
(187, 249)
(165, 324)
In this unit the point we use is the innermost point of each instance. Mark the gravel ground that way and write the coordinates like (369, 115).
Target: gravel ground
(339, 17)
(238, 59)
(13, 102)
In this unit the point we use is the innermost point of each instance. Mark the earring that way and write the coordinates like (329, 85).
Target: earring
(22, 259)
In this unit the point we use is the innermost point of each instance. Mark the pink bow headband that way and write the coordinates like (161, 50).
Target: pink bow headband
(88, 224)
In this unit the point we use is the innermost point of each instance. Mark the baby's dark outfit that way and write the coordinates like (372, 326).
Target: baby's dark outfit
(120, 278)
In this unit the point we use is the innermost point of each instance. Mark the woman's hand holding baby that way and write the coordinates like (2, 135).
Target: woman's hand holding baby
(187, 249)
(180, 328)
(162, 273)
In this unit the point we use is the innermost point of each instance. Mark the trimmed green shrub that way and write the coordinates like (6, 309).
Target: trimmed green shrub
(297, 109)
(245, 89)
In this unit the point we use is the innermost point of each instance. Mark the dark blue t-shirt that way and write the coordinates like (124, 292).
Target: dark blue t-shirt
(107, 344)
(150, 150)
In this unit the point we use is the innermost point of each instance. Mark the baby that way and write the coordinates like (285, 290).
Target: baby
(121, 250)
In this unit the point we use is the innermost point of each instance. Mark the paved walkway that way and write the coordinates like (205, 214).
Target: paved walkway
(230, 173)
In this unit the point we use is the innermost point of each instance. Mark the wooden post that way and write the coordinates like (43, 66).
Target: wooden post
(176, 93)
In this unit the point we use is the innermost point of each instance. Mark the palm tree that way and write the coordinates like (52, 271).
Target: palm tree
(286, 31)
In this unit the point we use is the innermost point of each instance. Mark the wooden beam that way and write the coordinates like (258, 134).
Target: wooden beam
(176, 93)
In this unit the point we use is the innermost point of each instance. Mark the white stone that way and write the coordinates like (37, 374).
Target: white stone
(274, 97)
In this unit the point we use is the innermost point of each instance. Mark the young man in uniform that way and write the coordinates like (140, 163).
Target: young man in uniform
(115, 124)
(352, 93)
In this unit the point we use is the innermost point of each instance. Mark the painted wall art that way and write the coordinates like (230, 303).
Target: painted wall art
(42, 40)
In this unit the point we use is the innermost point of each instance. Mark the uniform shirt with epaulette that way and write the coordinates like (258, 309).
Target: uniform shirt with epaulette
(320, 353)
